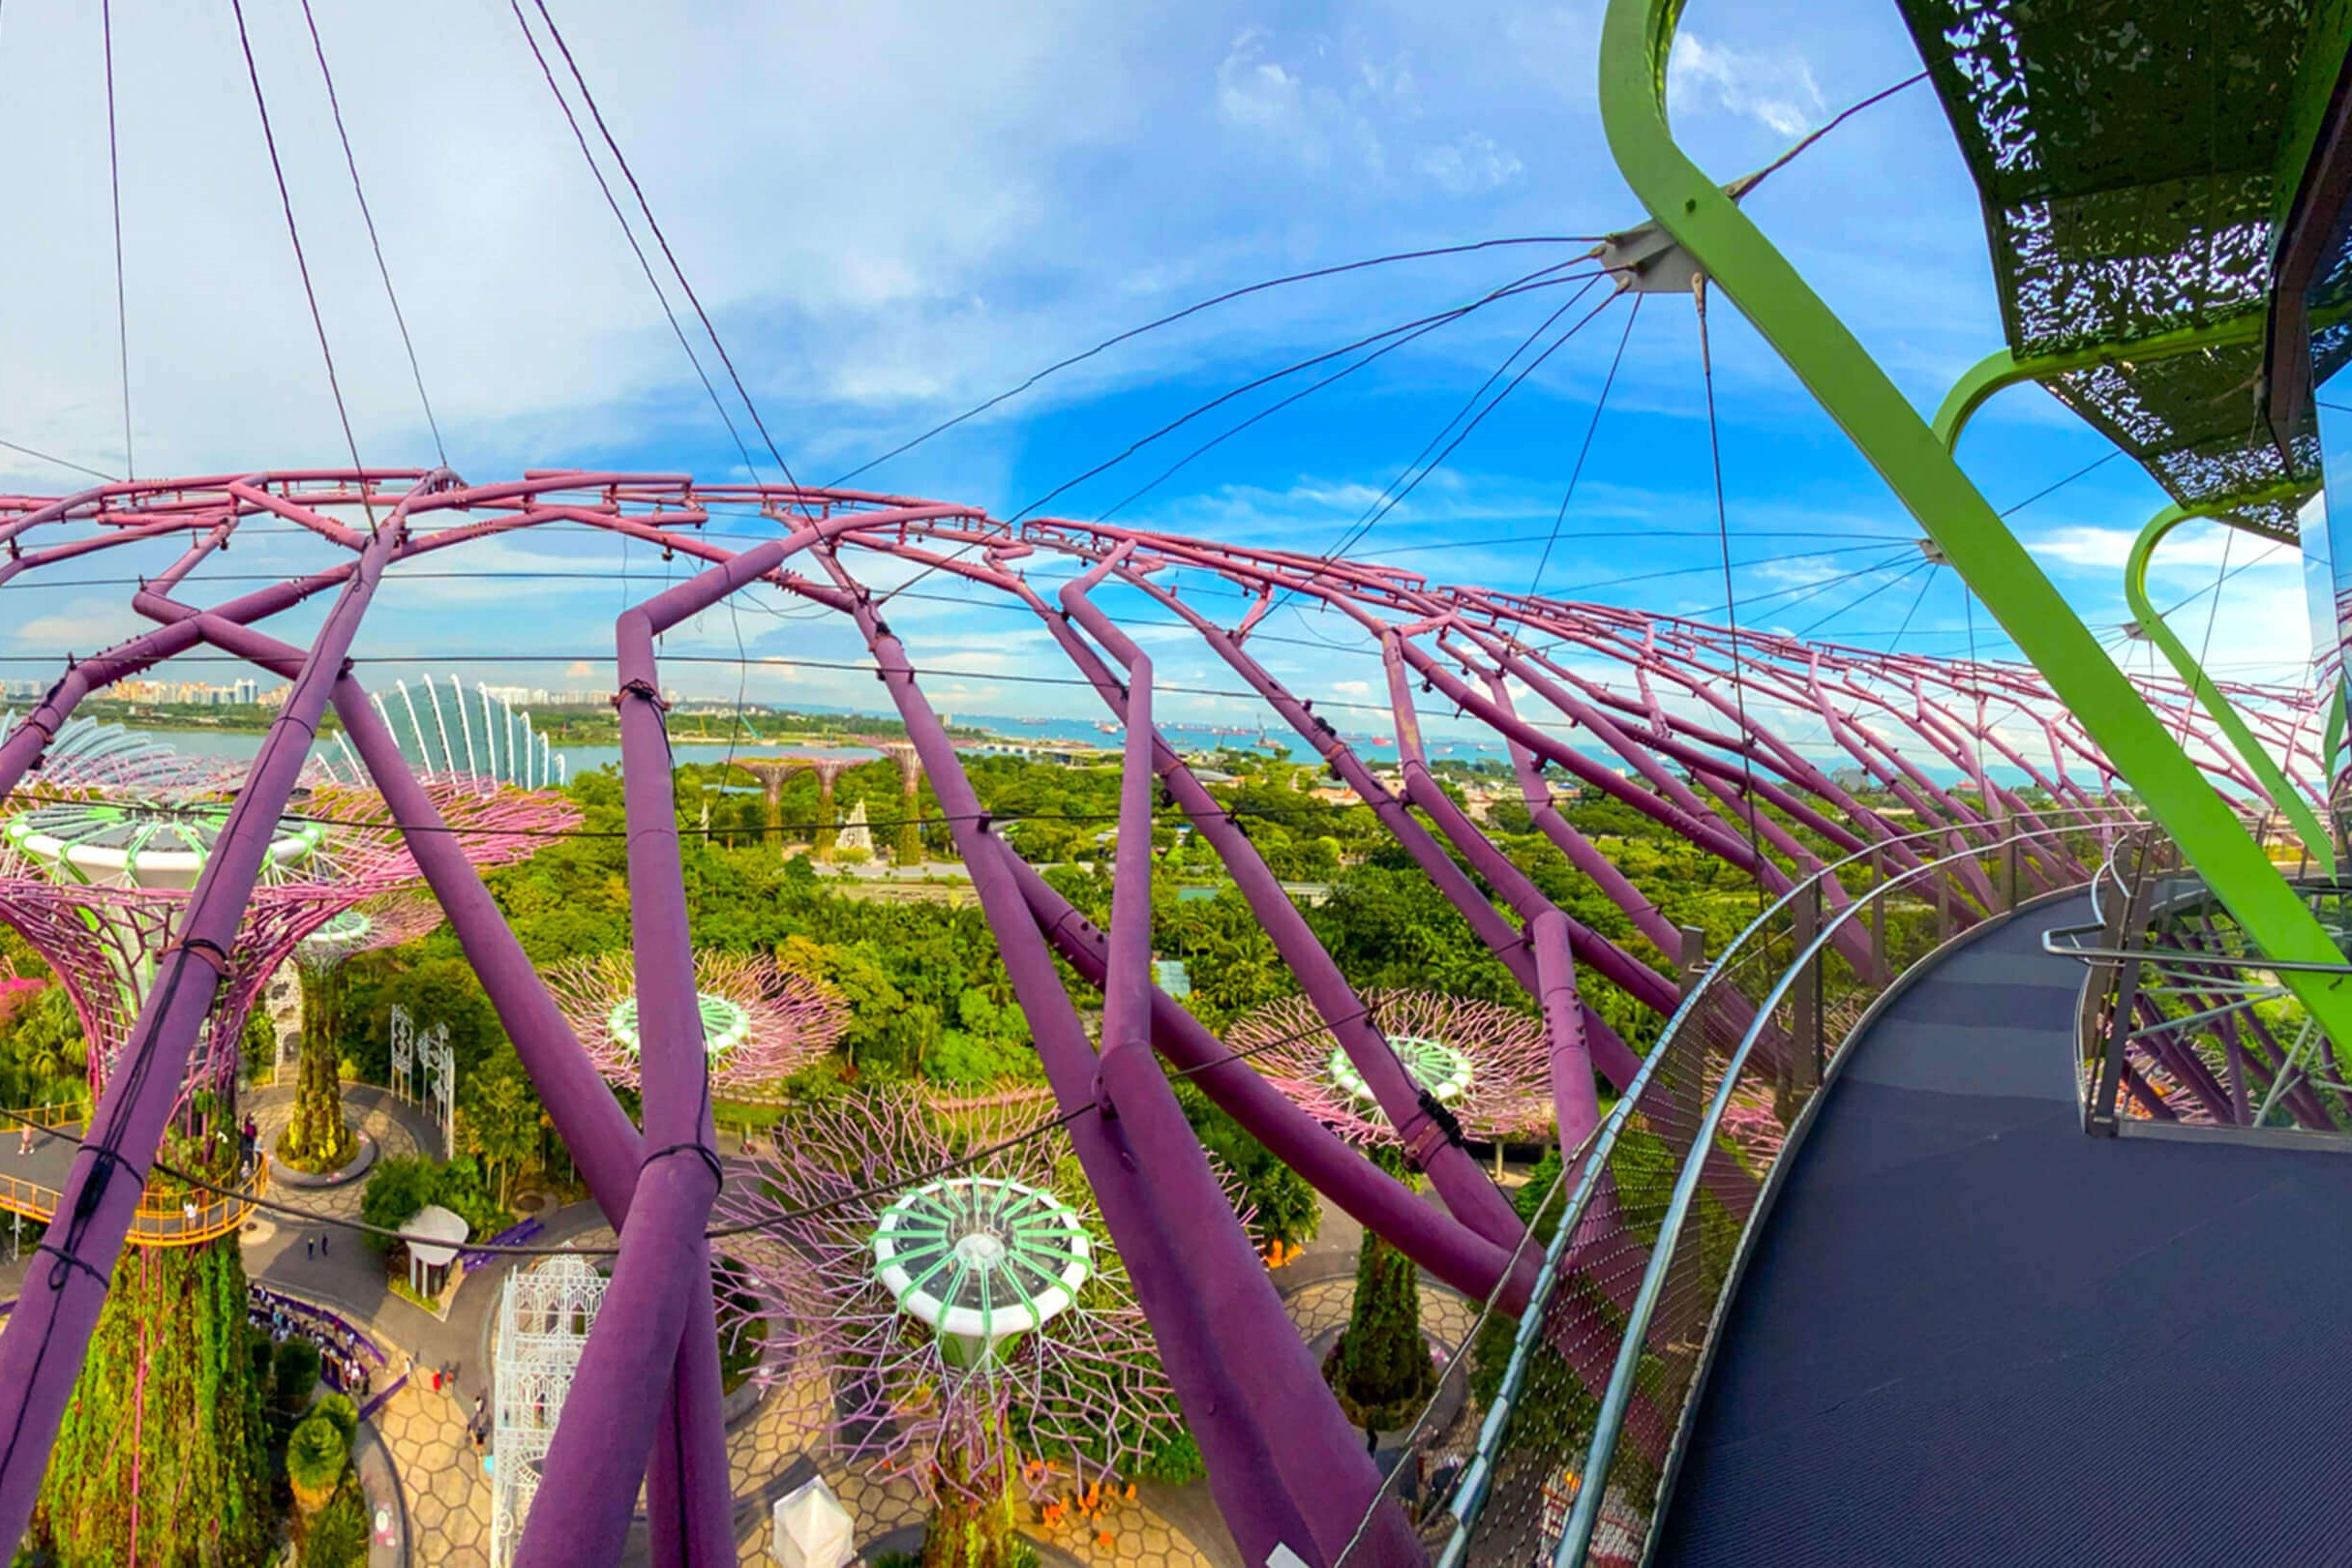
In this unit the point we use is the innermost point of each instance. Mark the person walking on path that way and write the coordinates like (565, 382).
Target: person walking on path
(24, 1140)
(309, 1247)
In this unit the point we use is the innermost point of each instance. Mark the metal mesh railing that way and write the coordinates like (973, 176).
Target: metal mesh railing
(2184, 1022)
(1552, 1438)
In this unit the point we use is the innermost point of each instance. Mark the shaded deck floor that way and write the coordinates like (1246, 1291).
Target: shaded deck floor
(1971, 1334)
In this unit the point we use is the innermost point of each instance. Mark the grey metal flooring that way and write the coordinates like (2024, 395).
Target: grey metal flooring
(1971, 1334)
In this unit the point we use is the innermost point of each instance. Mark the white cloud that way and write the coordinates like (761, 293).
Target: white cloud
(1319, 124)
(1776, 90)
(84, 625)
(1469, 166)
(2192, 548)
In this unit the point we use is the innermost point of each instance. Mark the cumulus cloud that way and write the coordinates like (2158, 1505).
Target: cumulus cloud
(1776, 90)
(2190, 547)
(1469, 166)
(1273, 105)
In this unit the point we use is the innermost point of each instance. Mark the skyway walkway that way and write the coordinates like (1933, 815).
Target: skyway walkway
(1969, 1334)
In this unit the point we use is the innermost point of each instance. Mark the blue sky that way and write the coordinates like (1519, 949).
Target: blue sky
(897, 209)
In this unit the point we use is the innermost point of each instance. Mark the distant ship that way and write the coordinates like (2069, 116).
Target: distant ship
(1107, 727)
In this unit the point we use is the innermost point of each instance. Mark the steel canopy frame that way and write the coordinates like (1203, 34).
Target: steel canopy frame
(1637, 37)
(1285, 1467)
(2282, 791)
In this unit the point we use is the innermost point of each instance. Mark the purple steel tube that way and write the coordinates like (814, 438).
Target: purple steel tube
(603, 1142)
(1465, 1185)
(616, 1404)
(1447, 1249)
(1224, 1341)
(1132, 1091)
(1609, 1053)
(1574, 1101)
(41, 1345)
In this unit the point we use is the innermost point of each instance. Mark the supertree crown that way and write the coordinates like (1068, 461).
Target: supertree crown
(761, 1022)
(983, 1260)
(1485, 1064)
(98, 884)
(86, 754)
(144, 842)
(965, 1320)
(387, 922)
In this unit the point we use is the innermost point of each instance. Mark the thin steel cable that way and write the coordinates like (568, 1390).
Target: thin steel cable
(663, 240)
(383, 271)
(2091, 466)
(1801, 592)
(1532, 280)
(63, 462)
(2212, 614)
(114, 187)
(1591, 429)
(293, 232)
(1267, 412)
(1928, 582)
(1865, 598)
(1195, 309)
(1805, 143)
(1731, 602)
(1402, 483)
(1381, 509)
(644, 263)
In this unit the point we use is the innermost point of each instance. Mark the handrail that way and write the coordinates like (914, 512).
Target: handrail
(2185, 957)
(161, 1220)
(2020, 831)
(1617, 1398)
(63, 1113)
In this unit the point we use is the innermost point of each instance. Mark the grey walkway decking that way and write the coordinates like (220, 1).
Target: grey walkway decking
(1972, 1335)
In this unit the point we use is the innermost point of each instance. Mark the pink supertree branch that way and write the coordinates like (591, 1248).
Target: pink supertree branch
(1080, 1389)
(761, 1022)
(1487, 1065)
(342, 853)
(387, 921)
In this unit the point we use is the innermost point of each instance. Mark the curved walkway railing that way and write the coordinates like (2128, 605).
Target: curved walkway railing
(1577, 1439)
(2185, 1029)
(161, 1218)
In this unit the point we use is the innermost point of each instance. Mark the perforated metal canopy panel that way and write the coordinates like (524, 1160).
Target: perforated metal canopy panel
(2132, 157)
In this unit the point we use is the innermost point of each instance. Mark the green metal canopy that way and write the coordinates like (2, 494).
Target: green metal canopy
(2133, 158)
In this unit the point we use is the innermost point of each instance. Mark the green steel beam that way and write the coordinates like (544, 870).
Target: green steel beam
(1997, 372)
(2241, 741)
(1636, 38)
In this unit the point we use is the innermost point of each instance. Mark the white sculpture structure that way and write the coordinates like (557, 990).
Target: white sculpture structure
(430, 1050)
(544, 1317)
(856, 839)
(809, 1528)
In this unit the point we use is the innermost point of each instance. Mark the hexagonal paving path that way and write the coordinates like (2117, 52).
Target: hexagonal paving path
(447, 1497)
(1323, 1306)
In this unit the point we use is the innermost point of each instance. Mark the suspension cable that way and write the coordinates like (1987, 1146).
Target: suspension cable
(383, 270)
(115, 185)
(293, 232)
(1731, 602)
